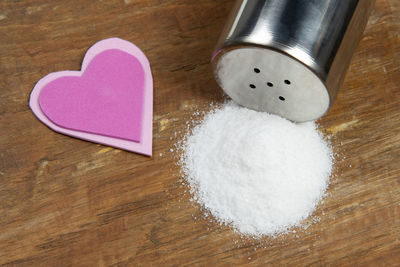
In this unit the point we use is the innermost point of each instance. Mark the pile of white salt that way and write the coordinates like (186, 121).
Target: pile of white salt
(257, 172)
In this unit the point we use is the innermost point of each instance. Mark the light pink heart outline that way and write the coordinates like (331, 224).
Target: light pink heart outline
(145, 145)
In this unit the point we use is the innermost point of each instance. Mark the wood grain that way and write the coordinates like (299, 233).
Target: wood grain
(67, 202)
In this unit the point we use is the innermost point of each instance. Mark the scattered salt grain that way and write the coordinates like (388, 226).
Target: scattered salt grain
(257, 172)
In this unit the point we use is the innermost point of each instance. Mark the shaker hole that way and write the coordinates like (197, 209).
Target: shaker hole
(270, 84)
(252, 86)
(287, 82)
(256, 70)
(281, 98)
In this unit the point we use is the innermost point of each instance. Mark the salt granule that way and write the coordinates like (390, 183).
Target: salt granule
(258, 172)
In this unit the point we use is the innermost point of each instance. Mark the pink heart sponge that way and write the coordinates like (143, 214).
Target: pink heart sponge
(110, 101)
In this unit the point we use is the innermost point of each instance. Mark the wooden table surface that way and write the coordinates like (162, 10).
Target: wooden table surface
(67, 202)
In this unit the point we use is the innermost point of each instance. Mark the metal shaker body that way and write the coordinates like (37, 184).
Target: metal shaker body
(288, 57)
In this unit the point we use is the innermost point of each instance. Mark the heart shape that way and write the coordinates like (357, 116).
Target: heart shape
(110, 101)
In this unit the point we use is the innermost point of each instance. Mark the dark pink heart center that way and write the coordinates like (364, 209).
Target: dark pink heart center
(107, 99)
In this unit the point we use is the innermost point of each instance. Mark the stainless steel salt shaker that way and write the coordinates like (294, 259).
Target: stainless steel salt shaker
(288, 57)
